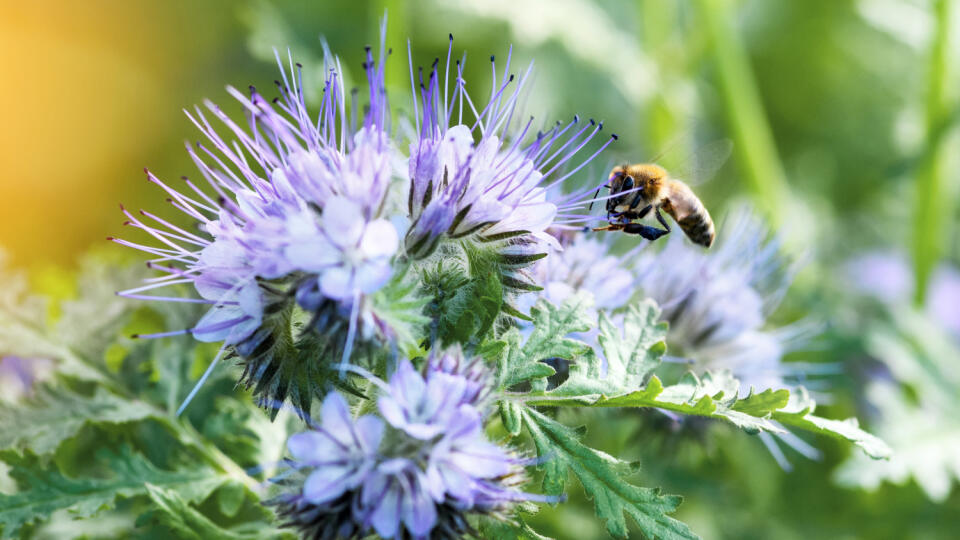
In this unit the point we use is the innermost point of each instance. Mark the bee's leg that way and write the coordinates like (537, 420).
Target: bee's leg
(646, 231)
(643, 211)
(662, 221)
(610, 227)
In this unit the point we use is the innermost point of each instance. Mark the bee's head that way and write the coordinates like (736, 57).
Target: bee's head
(620, 180)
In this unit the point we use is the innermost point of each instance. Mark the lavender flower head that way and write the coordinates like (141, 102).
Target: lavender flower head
(484, 179)
(416, 474)
(585, 263)
(299, 215)
(717, 302)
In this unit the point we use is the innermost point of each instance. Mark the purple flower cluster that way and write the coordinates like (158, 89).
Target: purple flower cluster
(413, 473)
(306, 212)
(486, 178)
(717, 302)
(292, 199)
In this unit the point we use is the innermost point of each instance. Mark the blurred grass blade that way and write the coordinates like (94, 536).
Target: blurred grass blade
(754, 146)
(933, 200)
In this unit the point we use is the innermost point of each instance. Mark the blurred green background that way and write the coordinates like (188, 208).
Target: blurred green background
(841, 114)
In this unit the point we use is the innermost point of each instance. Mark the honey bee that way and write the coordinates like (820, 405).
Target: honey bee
(647, 187)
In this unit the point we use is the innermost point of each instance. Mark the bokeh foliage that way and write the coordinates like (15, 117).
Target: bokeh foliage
(841, 112)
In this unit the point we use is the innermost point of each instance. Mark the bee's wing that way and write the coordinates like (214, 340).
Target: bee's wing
(703, 162)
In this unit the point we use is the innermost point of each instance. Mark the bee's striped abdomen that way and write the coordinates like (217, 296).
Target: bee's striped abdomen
(699, 228)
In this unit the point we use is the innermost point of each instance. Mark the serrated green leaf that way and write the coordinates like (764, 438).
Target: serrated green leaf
(762, 403)
(602, 478)
(631, 355)
(691, 396)
(86, 326)
(44, 489)
(50, 416)
(175, 513)
(917, 412)
(511, 416)
(518, 363)
(515, 529)
(230, 498)
(465, 294)
(798, 414)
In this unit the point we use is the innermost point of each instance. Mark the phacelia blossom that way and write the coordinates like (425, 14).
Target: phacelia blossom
(717, 301)
(302, 211)
(585, 264)
(293, 198)
(416, 473)
(485, 177)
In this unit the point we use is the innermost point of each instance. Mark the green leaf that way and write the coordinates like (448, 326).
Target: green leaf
(518, 363)
(515, 529)
(174, 512)
(44, 489)
(713, 396)
(91, 322)
(24, 329)
(798, 414)
(603, 479)
(230, 498)
(917, 412)
(50, 416)
(631, 355)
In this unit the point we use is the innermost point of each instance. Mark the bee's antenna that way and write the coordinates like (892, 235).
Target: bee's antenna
(595, 193)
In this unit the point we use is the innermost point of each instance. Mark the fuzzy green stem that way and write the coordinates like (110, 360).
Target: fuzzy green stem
(933, 204)
(754, 146)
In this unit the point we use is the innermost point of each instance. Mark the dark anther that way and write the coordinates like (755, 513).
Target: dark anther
(451, 37)
(367, 48)
(511, 78)
(576, 118)
(299, 65)
(614, 136)
(491, 58)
